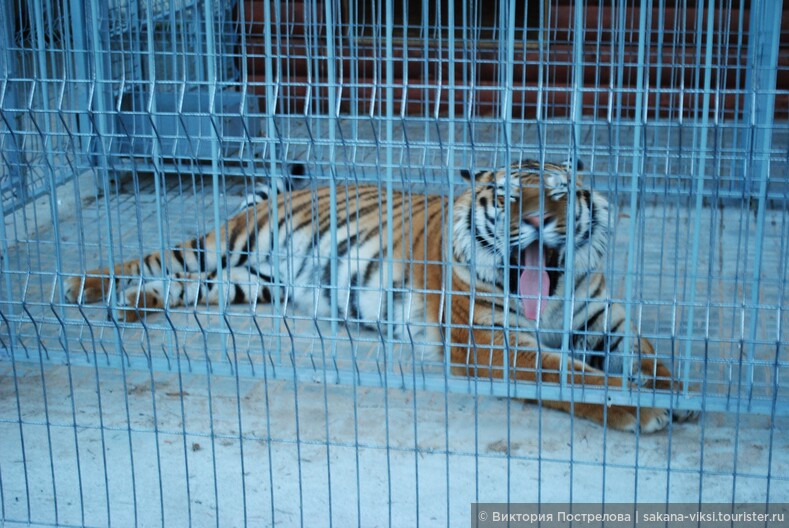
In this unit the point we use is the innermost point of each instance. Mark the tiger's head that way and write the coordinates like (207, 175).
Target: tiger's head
(528, 200)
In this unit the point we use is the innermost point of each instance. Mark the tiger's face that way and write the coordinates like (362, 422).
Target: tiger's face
(517, 218)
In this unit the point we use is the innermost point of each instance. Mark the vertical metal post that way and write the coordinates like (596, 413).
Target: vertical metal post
(638, 128)
(576, 114)
(156, 156)
(389, 122)
(79, 56)
(11, 155)
(9, 103)
(331, 93)
(199, 52)
(271, 135)
(100, 131)
(450, 81)
(214, 98)
(448, 220)
(101, 128)
(698, 188)
(763, 42)
(158, 186)
(103, 125)
(507, 30)
(211, 80)
(389, 274)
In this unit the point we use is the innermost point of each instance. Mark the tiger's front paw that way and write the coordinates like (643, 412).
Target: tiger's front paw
(633, 419)
(683, 415)
(653, 420)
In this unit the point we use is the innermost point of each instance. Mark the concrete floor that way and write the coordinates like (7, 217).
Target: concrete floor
(100, 447)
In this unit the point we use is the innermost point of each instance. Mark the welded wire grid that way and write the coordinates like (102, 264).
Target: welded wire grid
(128, 127)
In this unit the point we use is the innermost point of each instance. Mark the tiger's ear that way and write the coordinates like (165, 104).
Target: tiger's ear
(295, 176)
(296, 168)
(469, 176)
(579, 165)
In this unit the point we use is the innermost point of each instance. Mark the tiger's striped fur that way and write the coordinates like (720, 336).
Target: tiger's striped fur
(486, 252)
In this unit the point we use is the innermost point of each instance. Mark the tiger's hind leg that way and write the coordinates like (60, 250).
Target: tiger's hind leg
(194, 258)
(240, 285)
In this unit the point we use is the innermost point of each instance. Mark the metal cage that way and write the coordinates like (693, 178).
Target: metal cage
(131, 126)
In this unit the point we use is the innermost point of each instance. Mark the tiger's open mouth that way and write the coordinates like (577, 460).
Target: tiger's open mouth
(533, 283)
(536, 268)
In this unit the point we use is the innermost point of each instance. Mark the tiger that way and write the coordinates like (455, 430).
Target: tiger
(502, 256)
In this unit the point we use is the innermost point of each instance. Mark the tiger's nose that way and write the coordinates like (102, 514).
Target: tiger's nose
(537, 220)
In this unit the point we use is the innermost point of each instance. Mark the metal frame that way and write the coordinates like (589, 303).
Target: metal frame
(79, 192)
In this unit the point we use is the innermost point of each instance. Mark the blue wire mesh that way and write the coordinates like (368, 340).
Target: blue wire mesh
(128, 127)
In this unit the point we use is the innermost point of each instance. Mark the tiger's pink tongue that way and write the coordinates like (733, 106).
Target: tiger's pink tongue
(534, 282)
